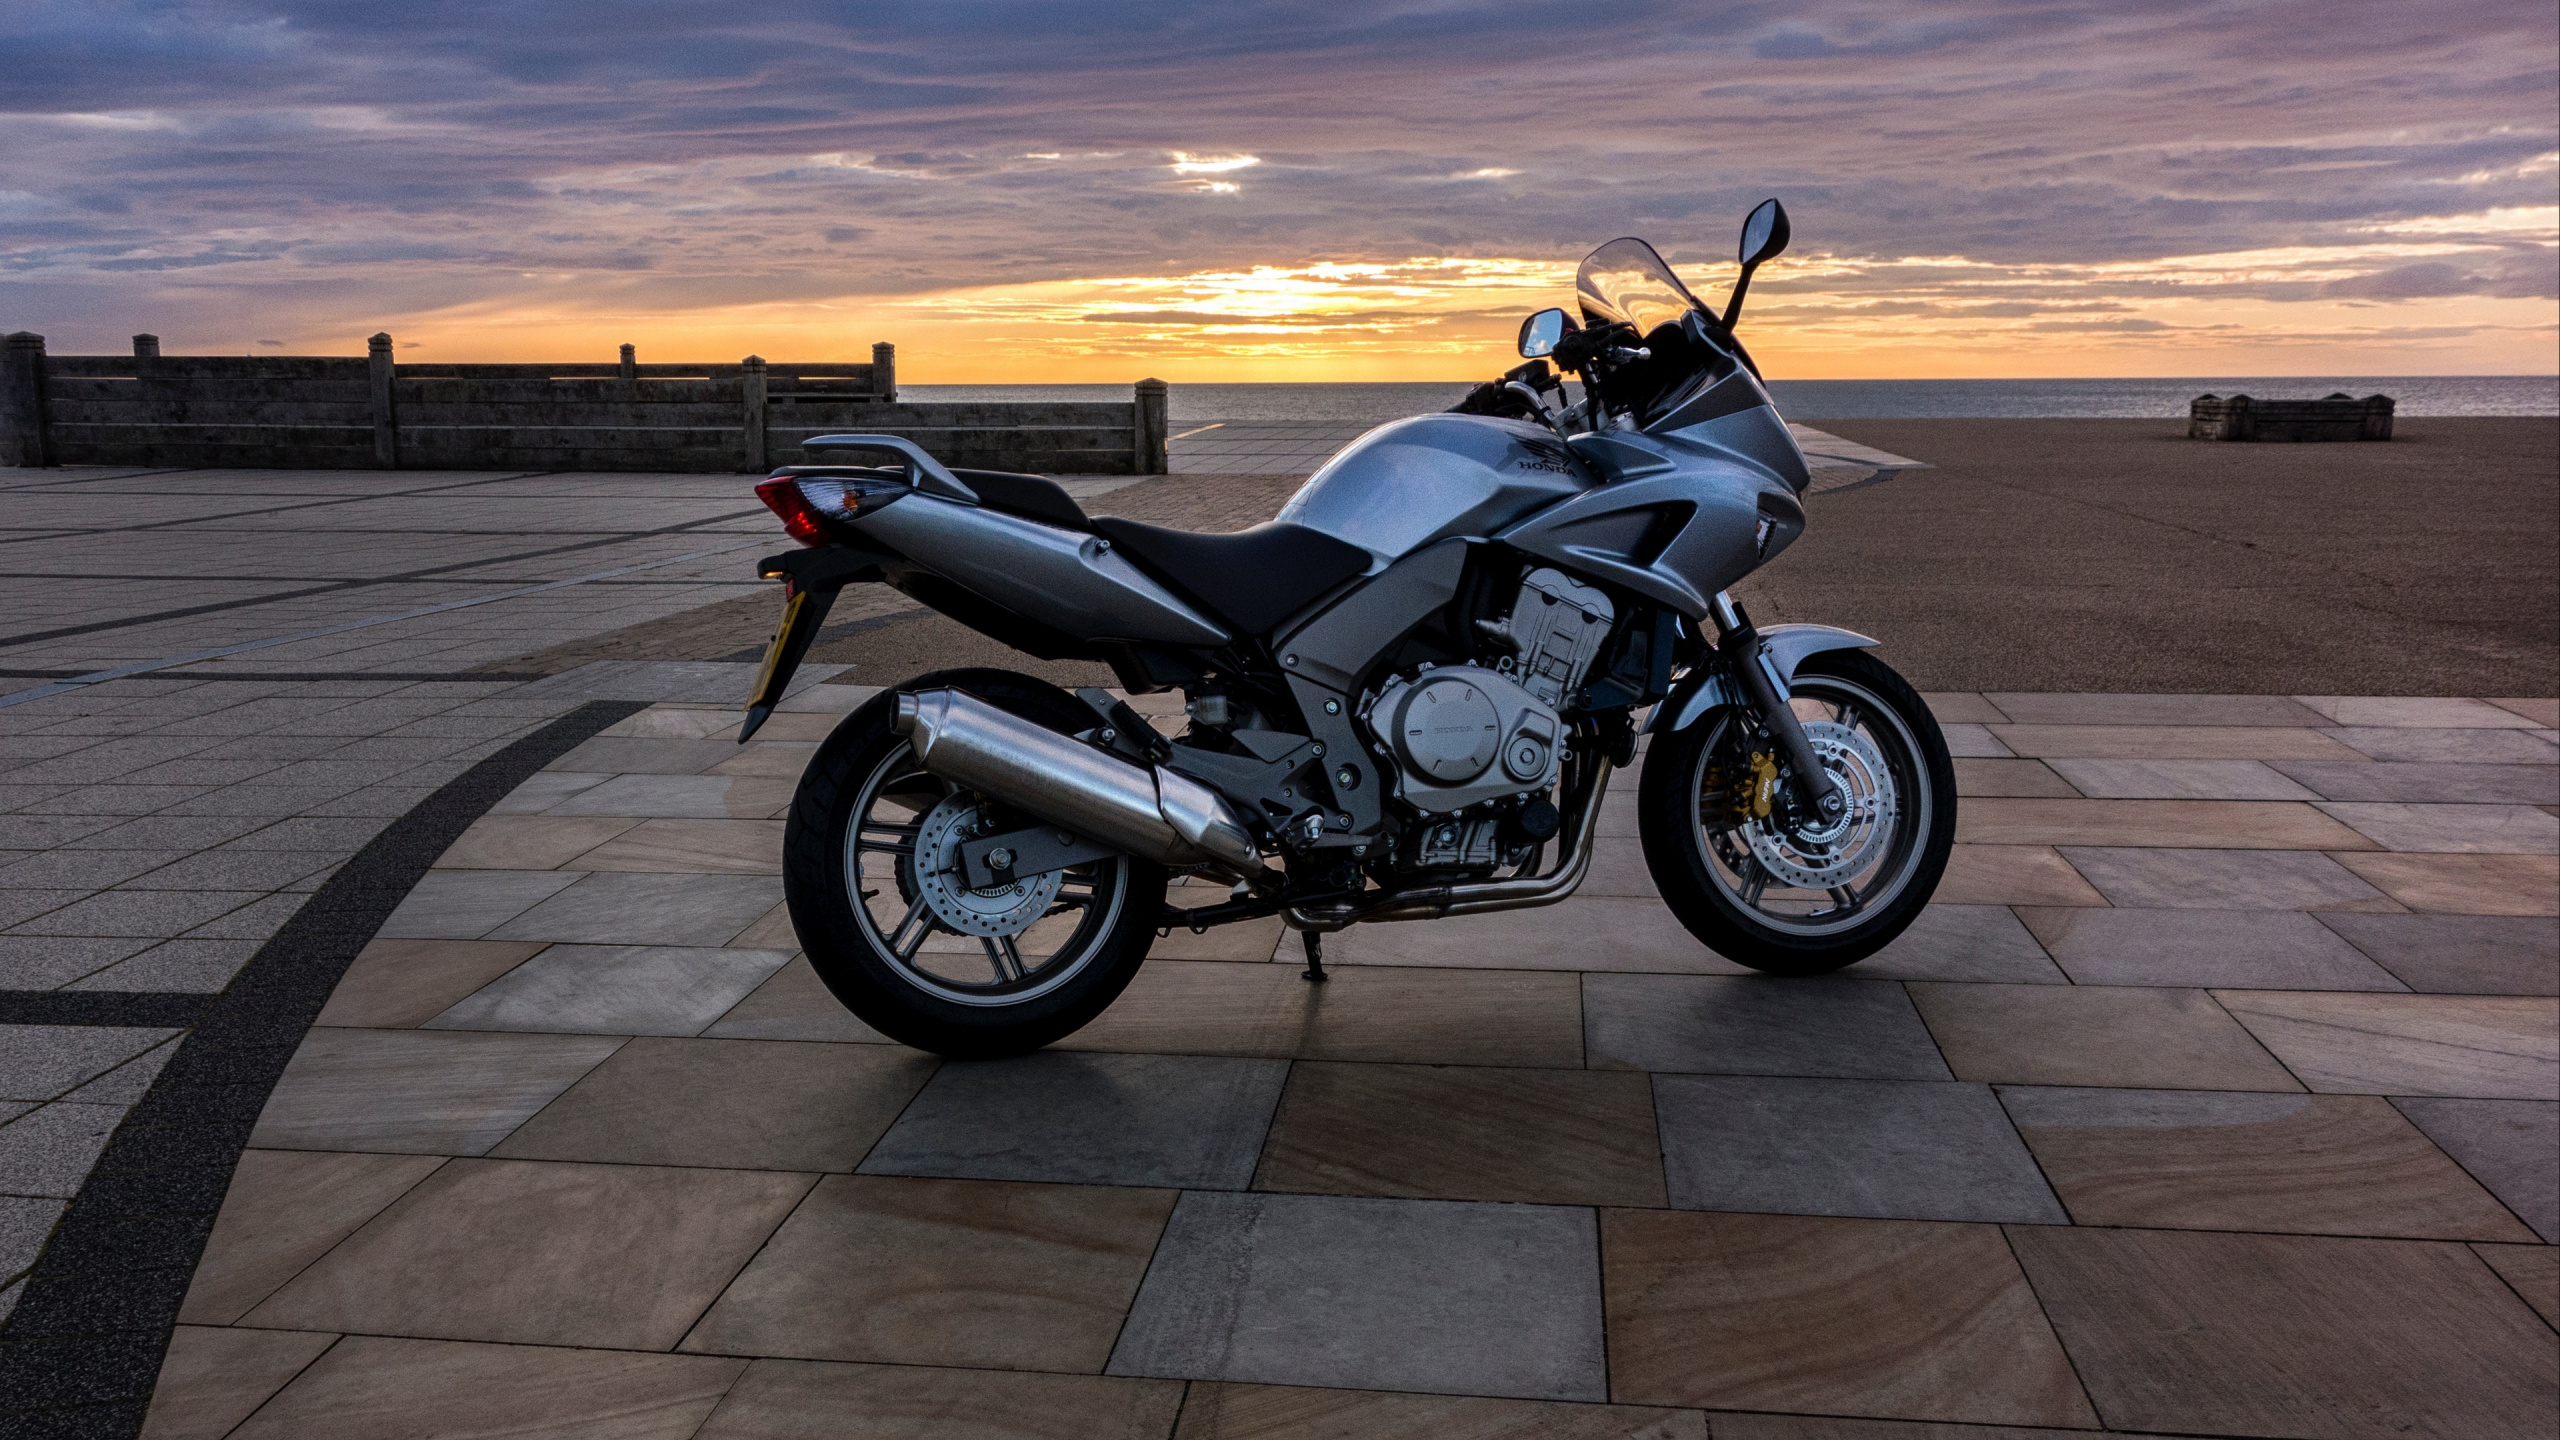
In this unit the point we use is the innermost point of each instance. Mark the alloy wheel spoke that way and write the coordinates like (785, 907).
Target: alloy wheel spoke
(900, 943)
(1002, 954)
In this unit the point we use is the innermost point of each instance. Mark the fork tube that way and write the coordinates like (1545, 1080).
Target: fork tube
(1739, 645)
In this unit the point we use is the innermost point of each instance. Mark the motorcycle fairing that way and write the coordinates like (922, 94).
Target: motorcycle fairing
(1410, 483)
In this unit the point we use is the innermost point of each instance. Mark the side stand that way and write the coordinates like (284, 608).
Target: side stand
(1315, 956)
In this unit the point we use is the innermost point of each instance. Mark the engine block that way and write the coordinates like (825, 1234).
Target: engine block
(1461, 735)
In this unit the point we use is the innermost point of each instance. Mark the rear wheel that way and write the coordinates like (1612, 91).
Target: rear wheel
(870, 868)
(1756, 880)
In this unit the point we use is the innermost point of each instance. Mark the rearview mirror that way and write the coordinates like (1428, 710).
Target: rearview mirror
(1764, 235)
(1540, 333)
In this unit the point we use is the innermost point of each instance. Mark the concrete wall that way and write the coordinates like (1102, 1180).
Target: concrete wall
(2243, 417)
(326, 412)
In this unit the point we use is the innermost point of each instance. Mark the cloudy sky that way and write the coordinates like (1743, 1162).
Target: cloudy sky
(1278, 189)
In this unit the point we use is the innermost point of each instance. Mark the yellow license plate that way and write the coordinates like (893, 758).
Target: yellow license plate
(770, 677)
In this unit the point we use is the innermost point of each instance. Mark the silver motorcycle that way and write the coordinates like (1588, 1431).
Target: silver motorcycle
(1404, 695)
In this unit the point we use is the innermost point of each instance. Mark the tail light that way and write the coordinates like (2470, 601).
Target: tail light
(806, 503)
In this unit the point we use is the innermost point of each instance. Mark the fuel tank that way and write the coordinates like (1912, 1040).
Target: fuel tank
(1411, 482)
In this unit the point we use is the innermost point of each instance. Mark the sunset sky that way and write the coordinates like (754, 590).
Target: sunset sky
(1020, 192)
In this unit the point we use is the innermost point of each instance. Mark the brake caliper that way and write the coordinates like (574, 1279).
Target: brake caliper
(1749, 791)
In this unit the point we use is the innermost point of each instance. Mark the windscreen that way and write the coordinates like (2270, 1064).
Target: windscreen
(1625, 280)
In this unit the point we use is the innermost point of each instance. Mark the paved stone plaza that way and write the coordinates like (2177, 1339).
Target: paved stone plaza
(2217, 1095)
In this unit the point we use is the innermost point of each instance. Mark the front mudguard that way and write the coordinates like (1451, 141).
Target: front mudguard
(1706, 686)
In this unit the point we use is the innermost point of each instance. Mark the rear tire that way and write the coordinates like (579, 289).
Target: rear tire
(1706, 865)
(854, 894)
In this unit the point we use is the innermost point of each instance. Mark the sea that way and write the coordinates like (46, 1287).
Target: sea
(1816, 400)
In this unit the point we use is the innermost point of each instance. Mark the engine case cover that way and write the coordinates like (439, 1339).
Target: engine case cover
(1461, 735)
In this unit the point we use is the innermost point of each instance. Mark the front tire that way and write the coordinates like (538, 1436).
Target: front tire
(967, 974)
(1784, 897)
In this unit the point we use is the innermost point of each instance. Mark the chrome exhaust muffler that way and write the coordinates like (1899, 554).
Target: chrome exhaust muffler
(1149, 812)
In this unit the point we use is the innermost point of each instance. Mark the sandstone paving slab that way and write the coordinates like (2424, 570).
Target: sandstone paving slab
(2178, 780)
(1551, 1137)
(767, 757)
(529, 842)
(213, 1378)
(2532, 1271)
(614, 990)
(467, 904)
(1890, 1149)
(1829, 1026)
(1421, 1295)
(2168, 742)
(772, 930)
(2452, 829)
(2460, 954)
(2012, 875)
(2175, 824)
(2096, 709)
(541, 1253)
(46, 962)
(2092, 1035)
(696, 847)
(1731, 1425)
(728, 1104)
(644, 755)
(137, 913)
(2438, 712)
(2479, 747)
(1974, 742)
(2010, 777)
(700, 797)
(1444, 1017)
(419, 1092)
(2543, 711)
(2483, 1046)
(1086, 1118)
(1962, 707)
(2464, 884)
(285, 1209)
(2184, 879)
(2197, 1332)
(793, 1005)
(2218, 1160)
(645, 909)
(544, 789)
(2256, 949)
(2438, 783)
(814, 1398)
(376, 1388)
(399, 984)
(1964, 942)
(1915, 1319)
(2508, 1145)
(978, 1273)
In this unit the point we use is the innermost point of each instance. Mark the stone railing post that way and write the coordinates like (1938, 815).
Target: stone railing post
(751, 389)
(630, 364)
(24, 439)
(146, 347)
(1154, 408)
(884, 372)
(386, 423)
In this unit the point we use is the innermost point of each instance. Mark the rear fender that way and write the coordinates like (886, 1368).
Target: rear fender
(1786, 646)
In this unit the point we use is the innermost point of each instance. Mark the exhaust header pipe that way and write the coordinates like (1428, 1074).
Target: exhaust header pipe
(1153, 813)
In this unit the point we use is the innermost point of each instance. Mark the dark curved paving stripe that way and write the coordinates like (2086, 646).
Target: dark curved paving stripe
(79, 1355)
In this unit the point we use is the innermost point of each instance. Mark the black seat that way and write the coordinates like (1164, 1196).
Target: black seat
(1026, 495)
(1253, 579)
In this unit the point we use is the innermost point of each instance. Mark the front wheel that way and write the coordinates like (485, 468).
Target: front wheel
(1766, 886)
(870, 868)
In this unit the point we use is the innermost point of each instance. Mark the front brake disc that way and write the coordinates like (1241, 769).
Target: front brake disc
(1826, 856)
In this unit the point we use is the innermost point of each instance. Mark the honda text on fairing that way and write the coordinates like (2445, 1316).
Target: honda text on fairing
(1405, 695)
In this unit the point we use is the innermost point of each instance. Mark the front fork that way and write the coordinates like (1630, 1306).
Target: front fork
(1738, 642)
